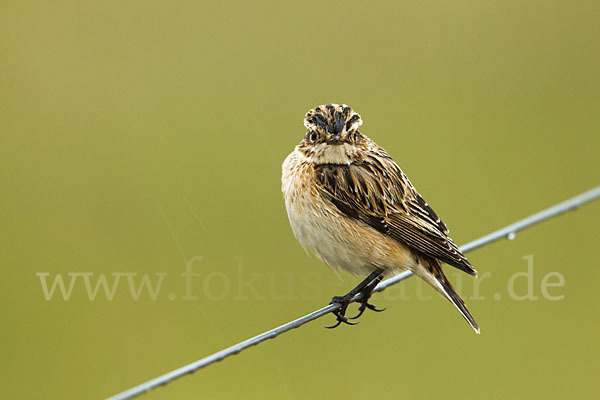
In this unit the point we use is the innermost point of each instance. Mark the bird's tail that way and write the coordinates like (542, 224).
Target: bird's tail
(436, 278)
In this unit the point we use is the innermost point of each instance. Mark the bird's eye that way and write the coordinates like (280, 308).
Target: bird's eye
(312, 136)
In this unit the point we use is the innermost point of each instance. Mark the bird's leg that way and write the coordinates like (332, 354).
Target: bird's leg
(365, 288)
(366, 295)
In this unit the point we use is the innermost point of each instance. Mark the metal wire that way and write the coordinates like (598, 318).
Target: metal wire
(506, 232)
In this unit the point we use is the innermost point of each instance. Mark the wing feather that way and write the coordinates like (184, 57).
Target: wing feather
(376, 191)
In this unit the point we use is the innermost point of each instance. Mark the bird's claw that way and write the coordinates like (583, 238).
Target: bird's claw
(364, 306)
(340, 313)
(341, 319)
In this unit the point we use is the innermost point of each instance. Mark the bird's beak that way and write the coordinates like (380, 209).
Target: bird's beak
(335, 139)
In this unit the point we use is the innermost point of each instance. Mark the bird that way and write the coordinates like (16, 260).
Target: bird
(350, 204)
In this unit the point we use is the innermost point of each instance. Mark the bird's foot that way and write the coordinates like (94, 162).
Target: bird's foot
(365, 288)
(340, 313)
(364, 304)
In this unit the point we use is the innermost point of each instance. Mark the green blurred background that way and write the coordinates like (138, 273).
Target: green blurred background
(144, 136)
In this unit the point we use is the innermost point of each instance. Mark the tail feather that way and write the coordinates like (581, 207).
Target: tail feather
(439, 281)
(460, 304)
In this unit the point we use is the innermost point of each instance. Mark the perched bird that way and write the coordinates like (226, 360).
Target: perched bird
(351, 204)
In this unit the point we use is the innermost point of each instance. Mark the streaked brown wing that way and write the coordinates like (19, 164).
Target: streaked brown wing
(378, 193)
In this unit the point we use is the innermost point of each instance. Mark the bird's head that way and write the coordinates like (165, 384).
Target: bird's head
(333, 136)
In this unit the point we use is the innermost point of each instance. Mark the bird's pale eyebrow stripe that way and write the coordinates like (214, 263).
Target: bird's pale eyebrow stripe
(352, 120)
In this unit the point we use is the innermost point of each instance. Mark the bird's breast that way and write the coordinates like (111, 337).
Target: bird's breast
(341, 242)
